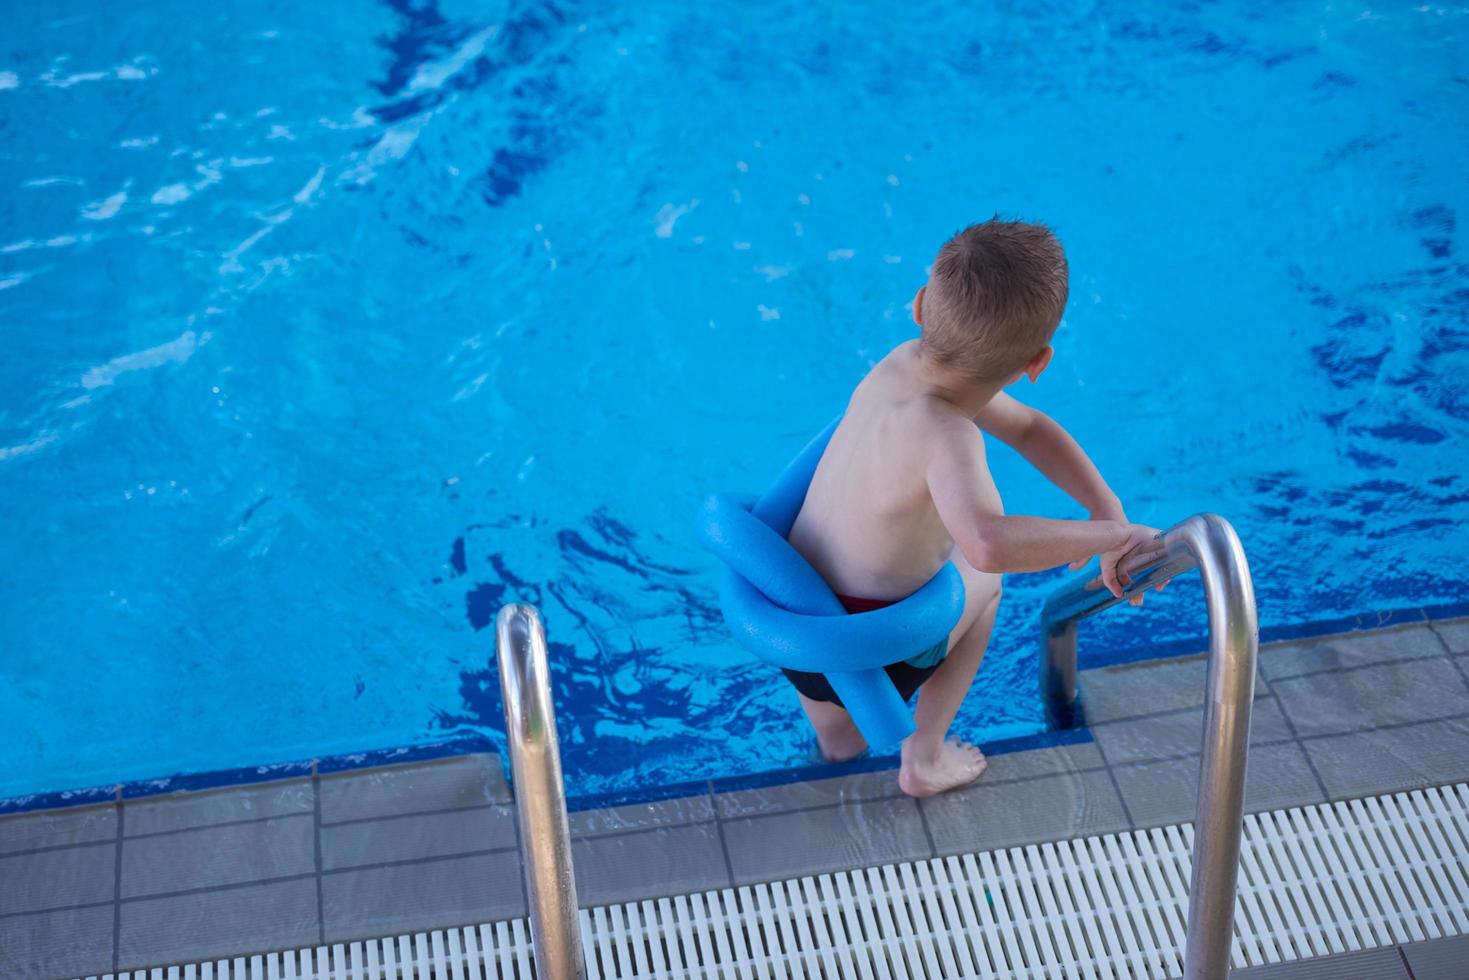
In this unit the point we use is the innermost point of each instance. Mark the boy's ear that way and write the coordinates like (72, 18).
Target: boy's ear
(1038, 363)
(918, 306)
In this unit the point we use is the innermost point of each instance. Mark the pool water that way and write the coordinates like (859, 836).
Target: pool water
(328, 328)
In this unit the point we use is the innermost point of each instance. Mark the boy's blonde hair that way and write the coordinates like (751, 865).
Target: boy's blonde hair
(995, 295)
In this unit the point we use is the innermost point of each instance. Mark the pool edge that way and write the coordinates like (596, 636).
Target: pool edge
(465, 744)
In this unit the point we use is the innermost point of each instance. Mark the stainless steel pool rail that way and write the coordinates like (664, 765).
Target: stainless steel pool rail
(1208, 543)
(540, 794)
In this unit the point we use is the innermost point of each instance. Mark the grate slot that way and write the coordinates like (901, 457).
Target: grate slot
(1115, 867)
(1314, 873)
(1087, 894)
(1294, 905)
(1404, 922)
(1436, 847)
(853, 898)
(1407, 837)
(969, 911)
(1020, 947)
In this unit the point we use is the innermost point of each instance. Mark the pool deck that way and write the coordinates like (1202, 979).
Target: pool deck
(340, 856)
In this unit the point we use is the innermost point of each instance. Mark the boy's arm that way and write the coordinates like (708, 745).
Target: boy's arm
(1050, 449)
(968, 504)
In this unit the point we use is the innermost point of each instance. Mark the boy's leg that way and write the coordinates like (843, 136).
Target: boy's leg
(836, 733)
(930, 764)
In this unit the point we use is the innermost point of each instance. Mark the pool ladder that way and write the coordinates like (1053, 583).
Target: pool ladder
(540, 793)
(1205, 542)
(1208, 543)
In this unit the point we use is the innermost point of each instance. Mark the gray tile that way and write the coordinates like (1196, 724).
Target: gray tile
(648, 864)
(1052, 761)
(420, 836)
(418, 787)
(1003, 767)
(226, 922)
(1392, 759)
(183, 811)
(1369, 964)
(808, 793)
(57, 879)
(1166, 792)
(1353, 700)
(853, 835)
(1162, 736)
(1349, 650)
(642, 816)
(423, 895)
(1110, 693)
(985, 817)
(1455, 634)
(1439, 959)
(55, 828)
(214, 856)
(1131, 690)
(44, 945)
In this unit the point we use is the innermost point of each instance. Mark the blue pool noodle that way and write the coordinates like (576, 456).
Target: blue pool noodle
(782, 611)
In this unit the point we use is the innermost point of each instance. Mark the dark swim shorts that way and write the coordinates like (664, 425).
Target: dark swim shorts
(906, 675)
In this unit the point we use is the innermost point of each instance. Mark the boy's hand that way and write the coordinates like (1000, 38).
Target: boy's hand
(1141, 539)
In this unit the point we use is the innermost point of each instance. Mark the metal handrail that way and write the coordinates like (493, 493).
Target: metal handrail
(540, 797)
(1208, 543)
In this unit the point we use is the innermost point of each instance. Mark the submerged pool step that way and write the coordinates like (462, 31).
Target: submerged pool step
(1314, 880)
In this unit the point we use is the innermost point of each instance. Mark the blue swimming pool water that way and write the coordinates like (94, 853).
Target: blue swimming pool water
(327, 328)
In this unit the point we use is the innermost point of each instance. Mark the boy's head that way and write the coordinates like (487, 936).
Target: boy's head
(993, 299)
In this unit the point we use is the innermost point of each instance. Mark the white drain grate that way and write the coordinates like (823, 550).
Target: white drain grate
(1313, 880)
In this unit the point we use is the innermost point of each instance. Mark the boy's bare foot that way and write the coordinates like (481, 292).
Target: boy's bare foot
(956, 763)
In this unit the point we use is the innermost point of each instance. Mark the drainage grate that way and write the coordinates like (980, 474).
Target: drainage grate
(1313, 880)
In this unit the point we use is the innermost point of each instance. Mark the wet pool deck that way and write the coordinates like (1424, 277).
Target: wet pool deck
(333, 857)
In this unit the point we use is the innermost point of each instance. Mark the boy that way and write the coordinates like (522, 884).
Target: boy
(903, 486)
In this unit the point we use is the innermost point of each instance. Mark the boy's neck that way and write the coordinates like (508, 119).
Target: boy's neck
(965, 394)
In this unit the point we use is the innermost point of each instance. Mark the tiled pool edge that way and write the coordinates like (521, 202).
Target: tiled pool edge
(1091, 658)
(465, 744)
(432, 843)
(245, 775)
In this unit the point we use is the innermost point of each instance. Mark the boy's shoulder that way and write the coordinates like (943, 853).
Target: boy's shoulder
(936, 425)
(889, 397)
(923, 419)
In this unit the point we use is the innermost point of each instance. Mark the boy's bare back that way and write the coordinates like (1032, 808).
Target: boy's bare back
(869, 524)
